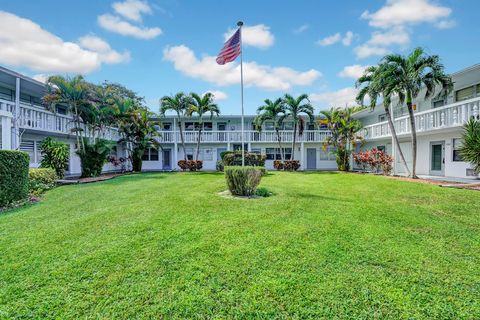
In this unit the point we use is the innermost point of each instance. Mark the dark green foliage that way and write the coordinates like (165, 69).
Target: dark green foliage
(251, 159)
(224, 153)
(242, 181)
(342, 157)
(94, 156)
(41, 180)
(55, 155)
(470, 149)
(13, 176)
(263, 192)
(219, 165)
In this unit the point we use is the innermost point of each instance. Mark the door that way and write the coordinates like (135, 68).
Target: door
(437, 158)
(166, 158)
(311, 158)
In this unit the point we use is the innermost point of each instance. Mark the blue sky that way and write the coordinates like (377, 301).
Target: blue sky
(159, 47)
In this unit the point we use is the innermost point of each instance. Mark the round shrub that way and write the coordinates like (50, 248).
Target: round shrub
(242, 181)
(13, 176)
(41, 180)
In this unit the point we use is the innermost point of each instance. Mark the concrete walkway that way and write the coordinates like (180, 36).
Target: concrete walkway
(472, 180)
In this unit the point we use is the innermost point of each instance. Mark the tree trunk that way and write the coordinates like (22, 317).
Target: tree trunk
(292, 156)
(395, 137)
(182, 140)
(279, 140)
(198, 143)
(414, 139)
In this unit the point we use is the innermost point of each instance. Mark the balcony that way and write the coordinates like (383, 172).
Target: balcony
(38, 119)
(450, 116)
(250, 136)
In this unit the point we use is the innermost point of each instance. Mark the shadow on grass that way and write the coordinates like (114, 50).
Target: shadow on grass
(318, 197)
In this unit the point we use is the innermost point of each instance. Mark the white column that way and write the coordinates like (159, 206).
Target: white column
(302, 156)
(6, 122)
(16, 117)
(175, 149)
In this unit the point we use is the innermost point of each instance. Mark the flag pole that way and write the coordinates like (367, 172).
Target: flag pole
(240, 24)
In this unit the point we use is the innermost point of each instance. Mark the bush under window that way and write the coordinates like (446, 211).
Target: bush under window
(41, 180)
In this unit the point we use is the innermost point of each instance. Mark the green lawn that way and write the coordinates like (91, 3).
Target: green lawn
(325, 245)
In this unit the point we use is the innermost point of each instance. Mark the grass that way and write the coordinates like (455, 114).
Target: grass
(166, 245)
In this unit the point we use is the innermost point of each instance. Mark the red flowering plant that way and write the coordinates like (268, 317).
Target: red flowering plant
(374, 159)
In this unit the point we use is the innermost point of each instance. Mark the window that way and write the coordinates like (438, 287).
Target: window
(189, 126)
(28, 146)
(327, 154)
(256, 150)
(438, 103)
(167, 126)
(189, 152)
(382, 117)
(456, 144)
(7, 94)
(269, 125)
(274, 153)
(311, 126)
(288, 126)
(465, 93)
(207, 126)
(25, 98)
(61, 110)
(150, 154)
(381, 148)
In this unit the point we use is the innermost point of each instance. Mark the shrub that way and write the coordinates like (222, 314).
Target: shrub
(223, 153)
(94, 156)
(55, 155)
(375, 159)
(242, 181)
(41, 180)
(192, 165)
(342, 157)
(263, 192)
(219, 165)
(13, 176)
(289, 165)
(251, 159)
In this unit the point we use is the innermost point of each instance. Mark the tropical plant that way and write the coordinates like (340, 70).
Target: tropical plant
(374, 85)
(470, 148)
(295, 107)
(201, 105)
(138, 133)
(406, 76)
(344, 133)
(94, 157)
(55, 155)
(272, 111)
(242, 181)
(179, 104)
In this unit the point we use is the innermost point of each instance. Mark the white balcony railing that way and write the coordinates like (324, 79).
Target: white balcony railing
(449, 116)
(37, 118)
(249, 136)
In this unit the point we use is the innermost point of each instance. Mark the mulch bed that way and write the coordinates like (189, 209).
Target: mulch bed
(103, 177)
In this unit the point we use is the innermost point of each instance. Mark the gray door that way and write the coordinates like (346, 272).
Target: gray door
(311, 158)
(166, 157)
(437, 158)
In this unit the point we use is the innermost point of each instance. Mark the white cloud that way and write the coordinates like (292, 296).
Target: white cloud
(337, 37)
(132, 9)
(28, 45)
(103, 49)
(218, 95)
(302, 28)
(397, 36)
(354, 71)
(328, 41)
(366, 50)
(41, 77)
(445, 24)
(340, 98)
(405, 12)
(117, 25)
(256, 36)
(262, 76)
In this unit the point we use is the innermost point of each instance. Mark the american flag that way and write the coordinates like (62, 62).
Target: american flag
(231, 49)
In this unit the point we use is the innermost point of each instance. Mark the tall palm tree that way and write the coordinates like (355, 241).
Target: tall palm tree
(294, 108)
(344, 133)
(76, 94)
(179, 104)
(407, 76)
(273, 111)
(201, 105)
(375, 86)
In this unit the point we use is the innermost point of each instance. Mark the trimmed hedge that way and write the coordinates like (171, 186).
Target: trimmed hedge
(287, 165)
(192, 165)
(41, 180)
(13, 176)
(243, 181)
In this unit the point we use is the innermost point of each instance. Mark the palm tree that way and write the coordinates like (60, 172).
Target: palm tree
(407, 76)
(373, 85)
(202, 105)
(470, 149)
(294, 108)
(344, 133)
(75, 93)
(274, 111)
(179, 104)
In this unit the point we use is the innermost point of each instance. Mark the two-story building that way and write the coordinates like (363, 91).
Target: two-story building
(25, 123)
(438, 122)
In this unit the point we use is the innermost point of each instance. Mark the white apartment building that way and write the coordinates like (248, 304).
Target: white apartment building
(25, 123)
